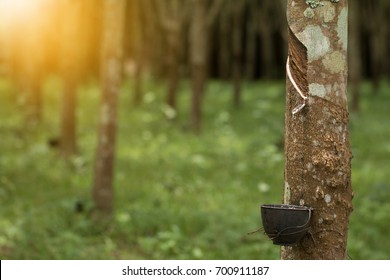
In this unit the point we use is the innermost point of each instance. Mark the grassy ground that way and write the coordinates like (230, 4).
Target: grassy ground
(178, 195)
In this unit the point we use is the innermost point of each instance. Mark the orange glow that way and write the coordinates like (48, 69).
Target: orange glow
(16, 10)
(43, 37)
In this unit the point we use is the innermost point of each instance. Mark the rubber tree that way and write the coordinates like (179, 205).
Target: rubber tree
(265, 29)
(377, 12)
(32, 64)
(172, 15)
(111, 77)
(224, 45)
(203, 17)
(135, 20)
(355, 54)
(251, 33)
(317, 150)
(70, 64)
(237, 9)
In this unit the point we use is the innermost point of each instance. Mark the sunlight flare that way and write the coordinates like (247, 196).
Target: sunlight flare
(18, 10)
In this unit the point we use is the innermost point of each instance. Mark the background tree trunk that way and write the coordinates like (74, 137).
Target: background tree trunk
(138, 39)
(317, 152)
(355, 55)
(198, 57)
(237, 9)
(31, 78)
(70, 71)
(171, 15)
(224, 46)
(267, 47)
(251, 35)
(377, 38)
(111, 75)
(155, 38)
(203, 16)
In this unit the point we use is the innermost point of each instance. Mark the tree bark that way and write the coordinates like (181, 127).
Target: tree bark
(198, 57)
(201, 21)
(68, 144)
(224, 46)
(317, 150)
(70, 71)
(154, 35)
(32, 57)
(237, 10)
(378, 37)
(34, 114)
(355, 55)
(171, 15)
(139, 43)
(267, 47)
(251, 31)
(111, 76)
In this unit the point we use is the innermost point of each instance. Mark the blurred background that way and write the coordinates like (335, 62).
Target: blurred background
(189, 176)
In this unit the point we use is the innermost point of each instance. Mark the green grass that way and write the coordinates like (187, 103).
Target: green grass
(370, 134)
(177, 195)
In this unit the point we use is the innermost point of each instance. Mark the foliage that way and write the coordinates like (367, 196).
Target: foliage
(178, 195)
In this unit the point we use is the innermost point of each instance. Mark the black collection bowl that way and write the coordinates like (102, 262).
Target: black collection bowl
(285, 224)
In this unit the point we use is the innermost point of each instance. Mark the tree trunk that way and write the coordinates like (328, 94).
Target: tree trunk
(173, 65)
(267, 47)
(317, 151)
(111, 76)
(149, 30)
(138, 39)
(251, 30)
(138, 91)
(378, 31)
(171, 14)
(68, 118)
(32, 67)
(224, 50)
(155, 37)
(237, 10)
(34, 115)
(70, 71)
(378, 53)
(355, 55)
(203, 17)
(198, 57)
